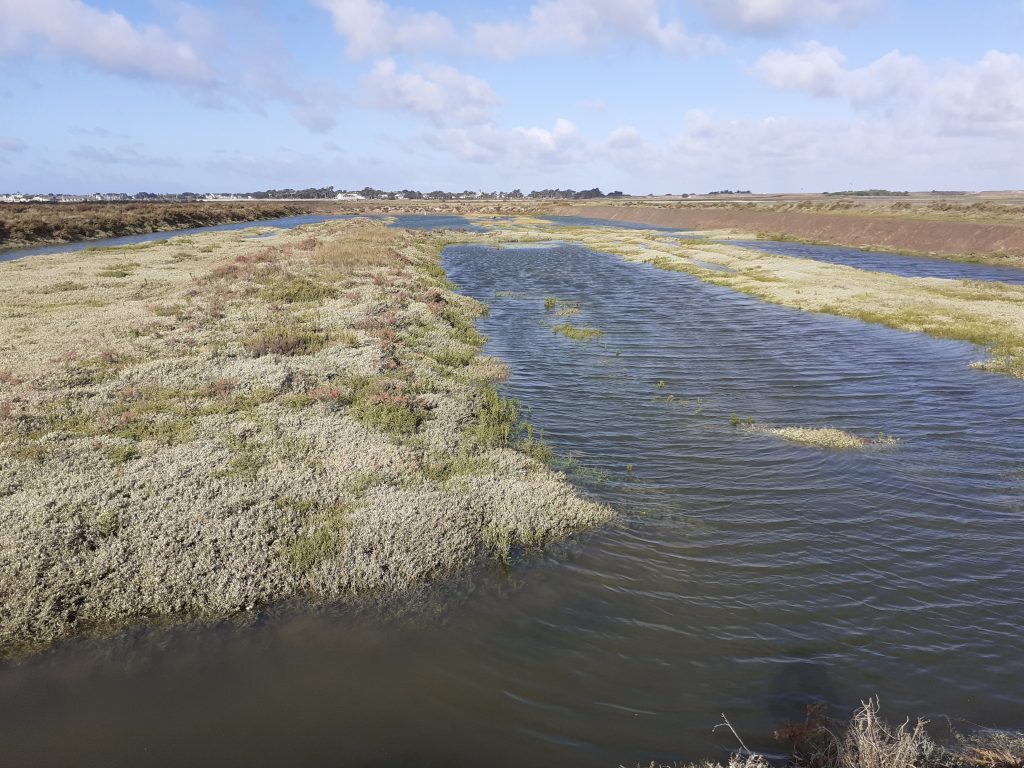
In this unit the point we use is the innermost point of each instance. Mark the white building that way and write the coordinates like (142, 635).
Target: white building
(349, 196)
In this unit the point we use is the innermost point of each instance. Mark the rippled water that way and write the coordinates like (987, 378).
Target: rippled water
(893, 263)
(288, 222)
(747, 575)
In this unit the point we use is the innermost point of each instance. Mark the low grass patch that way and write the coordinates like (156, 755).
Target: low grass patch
(385, 404)
(577, 332)
(118, 270)
(463, 329)
(287, 338)
(297, 290)
(62, 287)
(323, 541)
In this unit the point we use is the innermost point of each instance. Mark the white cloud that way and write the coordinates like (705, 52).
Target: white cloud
(813, 68)
(773, 16)
(965, 99)
(624, 137)
(103, 39)
(374, 28)
(573, 25)
(440, 93)
(520, 148)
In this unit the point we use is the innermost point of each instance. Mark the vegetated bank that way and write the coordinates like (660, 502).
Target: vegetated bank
(55, 223)
(867, 740)
(197, 427)
(943, 232)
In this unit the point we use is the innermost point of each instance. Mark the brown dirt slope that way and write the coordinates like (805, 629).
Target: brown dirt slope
(941, 238)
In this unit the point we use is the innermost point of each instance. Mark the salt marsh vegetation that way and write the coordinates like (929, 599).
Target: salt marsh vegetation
(304, 415)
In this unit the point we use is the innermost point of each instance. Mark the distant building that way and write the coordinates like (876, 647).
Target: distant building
(349, 196)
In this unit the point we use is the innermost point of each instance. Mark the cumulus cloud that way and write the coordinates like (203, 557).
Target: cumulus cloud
(761, 17)
(966, 99)
(103, 39)
(12, 145)
(573, 25)
(813, 68)
(374, 28)
(518, 148)
(624, 137)
(440, 93)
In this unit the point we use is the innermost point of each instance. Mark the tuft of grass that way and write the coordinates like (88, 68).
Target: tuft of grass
(463, 329)
(387, 405)
(576, 332)
(323, 541)
(62, 287)
(122, 454)
(118, 270)
(498, 422)
(454, 357)
(550, 303)
(107, 523)
(287, 338)
(498, 540)
(297, 290)
(358, 485)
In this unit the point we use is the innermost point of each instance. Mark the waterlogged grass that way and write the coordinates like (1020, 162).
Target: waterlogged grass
(501, 423)
(829, 438)
(577, 332)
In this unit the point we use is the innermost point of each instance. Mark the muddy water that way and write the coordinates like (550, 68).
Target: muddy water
(747, 575)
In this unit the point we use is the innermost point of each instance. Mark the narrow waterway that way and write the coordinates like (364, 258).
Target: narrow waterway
(746, 575)
(893, 263)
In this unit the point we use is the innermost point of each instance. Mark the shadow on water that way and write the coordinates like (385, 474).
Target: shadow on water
(746, 575)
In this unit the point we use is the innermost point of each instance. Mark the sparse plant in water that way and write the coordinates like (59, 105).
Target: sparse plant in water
(550, 303)
(577, 333)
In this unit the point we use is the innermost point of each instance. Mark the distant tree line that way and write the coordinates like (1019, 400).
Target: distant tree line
(324, 193)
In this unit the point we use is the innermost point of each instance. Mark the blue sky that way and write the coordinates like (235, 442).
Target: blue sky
(638, 95)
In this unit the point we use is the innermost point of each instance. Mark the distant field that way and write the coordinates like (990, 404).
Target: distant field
(986, 231)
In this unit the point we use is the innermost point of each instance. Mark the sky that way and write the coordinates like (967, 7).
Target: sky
(643, 96)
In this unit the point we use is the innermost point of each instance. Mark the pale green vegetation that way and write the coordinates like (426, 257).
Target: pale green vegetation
(825, 437)
(303, 415)
(577, 332)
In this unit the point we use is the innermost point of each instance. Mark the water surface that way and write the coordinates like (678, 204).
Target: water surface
(893, 263)
(747, 575)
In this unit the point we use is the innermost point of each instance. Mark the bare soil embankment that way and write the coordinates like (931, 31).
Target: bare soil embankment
(194, 428)
(997, 243)
(56, 223)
